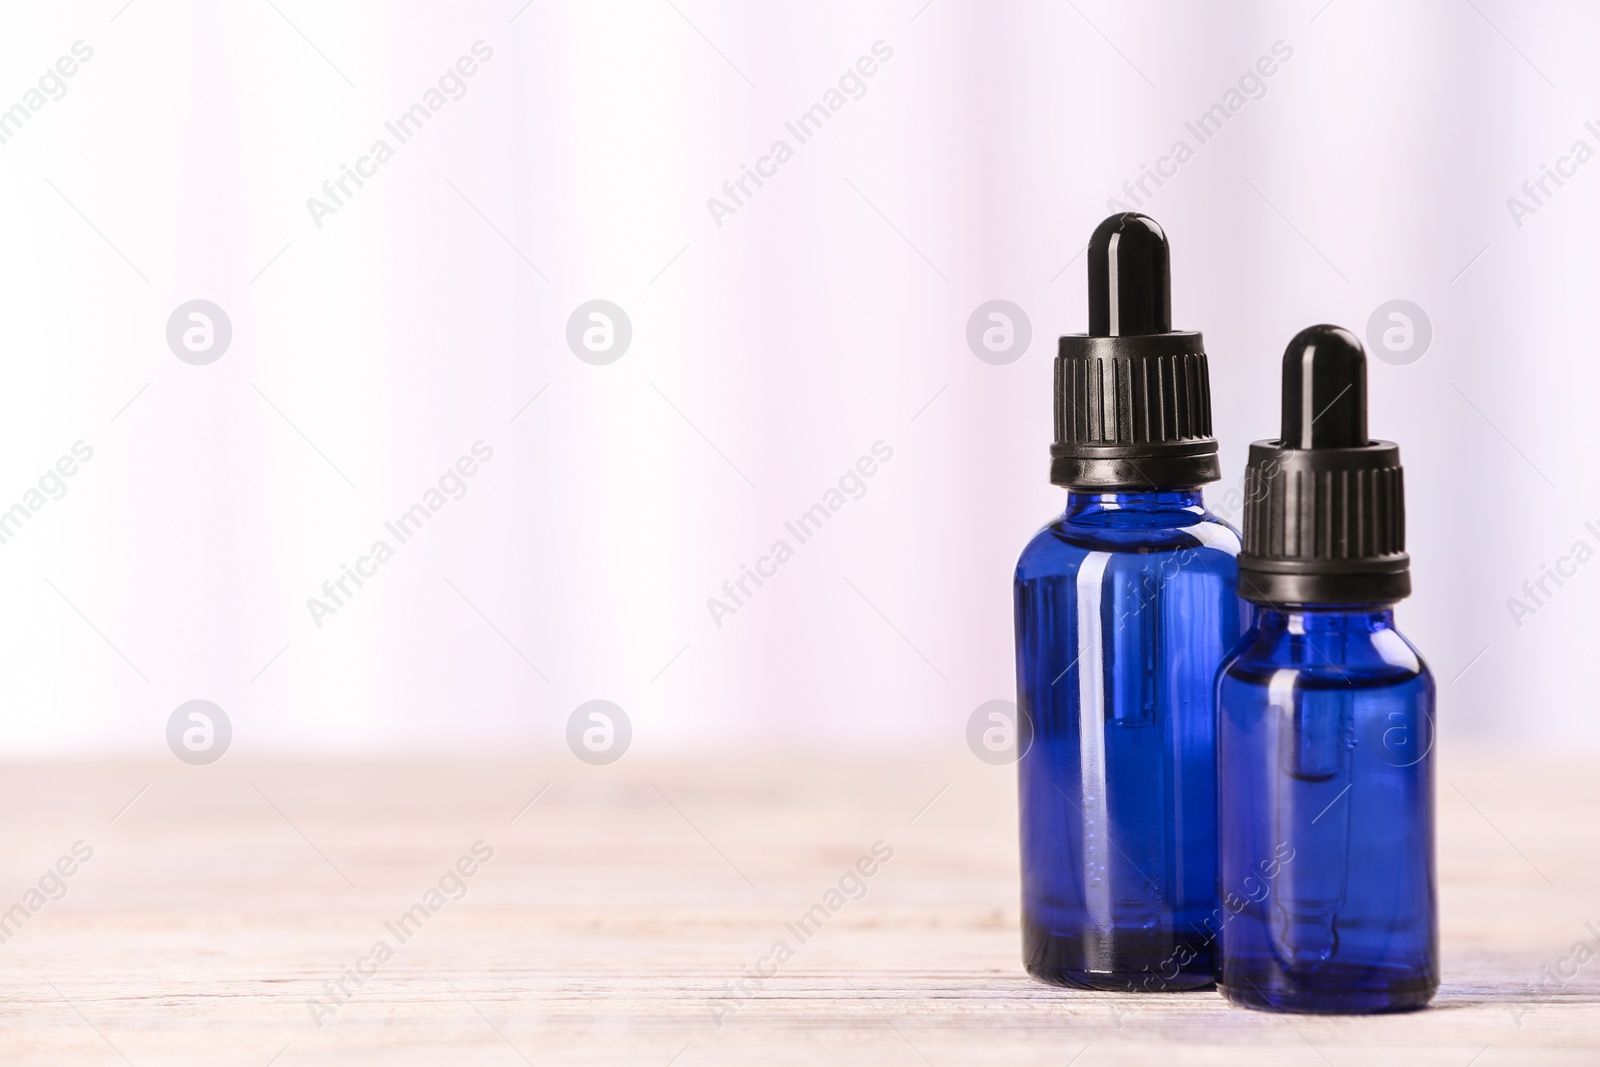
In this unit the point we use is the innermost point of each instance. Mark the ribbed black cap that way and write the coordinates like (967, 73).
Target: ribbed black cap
(1324, 512)
(1132, 397)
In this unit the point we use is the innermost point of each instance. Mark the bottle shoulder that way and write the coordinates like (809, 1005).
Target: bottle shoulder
(1060, 546)
(1363, 659)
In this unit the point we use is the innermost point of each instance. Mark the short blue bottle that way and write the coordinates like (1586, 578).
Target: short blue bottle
(1326, 719)
(1125, 607)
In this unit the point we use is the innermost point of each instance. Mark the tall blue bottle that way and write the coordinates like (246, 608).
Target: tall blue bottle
(1125, 607)
(1325, 718)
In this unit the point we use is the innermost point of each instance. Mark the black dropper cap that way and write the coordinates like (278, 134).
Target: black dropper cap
(1324, 512)
(1132, 396)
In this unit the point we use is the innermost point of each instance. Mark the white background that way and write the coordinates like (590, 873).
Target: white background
(768, 354)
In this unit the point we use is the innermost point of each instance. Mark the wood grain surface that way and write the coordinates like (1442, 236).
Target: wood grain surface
(618, 909)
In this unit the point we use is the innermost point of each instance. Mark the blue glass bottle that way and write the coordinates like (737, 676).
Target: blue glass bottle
(1326, 719)
(1325, 733)
(1125, 607)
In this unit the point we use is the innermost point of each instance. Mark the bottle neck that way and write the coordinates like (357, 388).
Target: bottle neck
(1081, 503)
(1326, 619)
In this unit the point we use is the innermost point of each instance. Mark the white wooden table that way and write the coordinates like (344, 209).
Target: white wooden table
(618, 908)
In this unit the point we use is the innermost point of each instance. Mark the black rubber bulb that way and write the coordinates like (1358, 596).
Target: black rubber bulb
(1324, 390)
(1130, 277)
